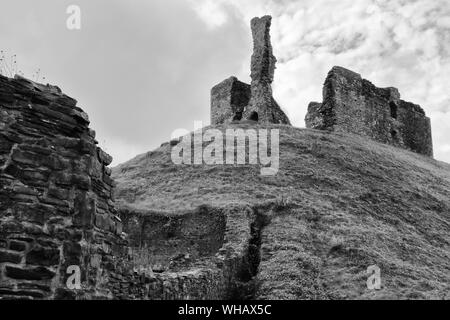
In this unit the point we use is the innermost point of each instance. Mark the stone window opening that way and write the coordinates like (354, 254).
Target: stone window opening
(394, 109)
(394, 134)
(237, 116)
(254, 116)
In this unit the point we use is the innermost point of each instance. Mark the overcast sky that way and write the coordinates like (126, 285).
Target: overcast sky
(143, 68)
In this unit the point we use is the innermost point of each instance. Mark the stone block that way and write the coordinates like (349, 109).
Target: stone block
(72, 253)
(104, 158)
(85, 208)
(17, 245)
(22, 294)
(30, 273)
(10, 256)
(101, 221)
(34, 212)
(82, 181)
(58, 193)
(43, 256)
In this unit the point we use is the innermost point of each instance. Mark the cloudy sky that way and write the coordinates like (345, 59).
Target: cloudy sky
(143, 68)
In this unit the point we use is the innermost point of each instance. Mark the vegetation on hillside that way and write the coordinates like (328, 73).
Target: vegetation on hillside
(338, 204)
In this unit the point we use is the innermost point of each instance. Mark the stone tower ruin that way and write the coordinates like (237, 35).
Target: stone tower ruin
(353, 104)
(233, 100)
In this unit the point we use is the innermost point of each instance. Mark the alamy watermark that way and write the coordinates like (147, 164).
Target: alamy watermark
(374, 280)
(73, 21)
(74, 279)
(229, 147)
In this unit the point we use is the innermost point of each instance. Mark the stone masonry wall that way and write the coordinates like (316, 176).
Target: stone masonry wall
(262, 106)
(205, 253)
(355, 105)
(228, 100)
(56, 196)
(57, 211)
(232, 100)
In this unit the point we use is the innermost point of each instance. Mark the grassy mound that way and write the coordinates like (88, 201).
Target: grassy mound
(338, 204)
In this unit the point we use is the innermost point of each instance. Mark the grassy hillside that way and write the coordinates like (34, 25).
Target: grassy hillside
(338, 204)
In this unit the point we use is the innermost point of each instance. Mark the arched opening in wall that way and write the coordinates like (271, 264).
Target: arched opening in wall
(237, 116)
(394, 134)
(394, 109)
(254, 116)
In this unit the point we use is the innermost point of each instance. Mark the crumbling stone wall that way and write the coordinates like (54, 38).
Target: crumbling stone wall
(205, 253)
(353, 104)
(228, 100)
(57, 211)
(262, 106)
(56, 207)
(232, 100)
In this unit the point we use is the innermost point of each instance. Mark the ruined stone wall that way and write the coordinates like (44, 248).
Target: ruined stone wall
(205, 253)
(355, 105)
(232, 100)
(262, 70)
(228, 100)
(262, 106)
(57, 210)
(56, 207)
(415, 128)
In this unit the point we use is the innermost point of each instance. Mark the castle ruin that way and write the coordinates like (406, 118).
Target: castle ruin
(233, 100)
(354, 105)
(350, 103)
(57, 199)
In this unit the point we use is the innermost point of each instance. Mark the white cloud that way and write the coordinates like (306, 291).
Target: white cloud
(212, 12)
